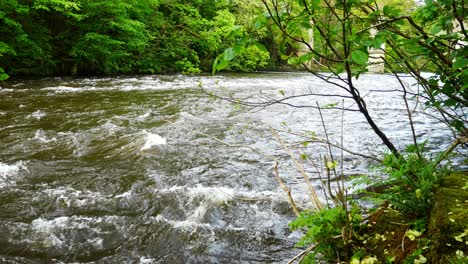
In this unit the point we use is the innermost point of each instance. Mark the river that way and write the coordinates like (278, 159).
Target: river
(151, 169)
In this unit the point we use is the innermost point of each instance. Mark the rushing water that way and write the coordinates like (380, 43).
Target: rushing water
(133, 170)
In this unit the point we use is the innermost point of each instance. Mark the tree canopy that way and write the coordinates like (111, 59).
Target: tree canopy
(63, 37)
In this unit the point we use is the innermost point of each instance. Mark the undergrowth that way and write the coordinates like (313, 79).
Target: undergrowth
(393, 232)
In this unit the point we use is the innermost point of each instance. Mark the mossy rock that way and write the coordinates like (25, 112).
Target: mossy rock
(448, 223)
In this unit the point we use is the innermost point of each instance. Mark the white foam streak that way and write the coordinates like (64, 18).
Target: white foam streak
(183, 224)
(190, 224)
(152, 140)
(4, 90)
(216, 195)
(146, 260)
(68, 89)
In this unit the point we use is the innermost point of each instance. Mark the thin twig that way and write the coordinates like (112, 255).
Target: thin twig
(403, 241)
(458, 141)
(303, 253)
(408, 112)
(330, 153)
(324, 141)
(300, 168)
(286, 189)
(342, 151)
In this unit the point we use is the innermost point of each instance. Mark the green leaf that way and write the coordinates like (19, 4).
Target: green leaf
(260, 22)
(380, 39)
(360, 57)
(391, 11)
(331, 165)
(459, 125)
(329, 106)
(261, 47)
(460, 63)
(339, 69)
(305, 57)
(293, 61)
(367, 42)
(219, 64)
(418, 194)
(436, 29)
(412, 234)
(222, 64)
(229, 54)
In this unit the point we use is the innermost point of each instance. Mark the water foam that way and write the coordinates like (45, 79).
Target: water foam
(5, 90)
(51, 232)
(8, 172)
(37, 115)
(183, 224)
(147, 260)
(216, 195)
(75, 198)
(47, 226)
(110, 127)
(67, 89)
(152, 140)
(220, 195)
(144, 116)
(42, 137)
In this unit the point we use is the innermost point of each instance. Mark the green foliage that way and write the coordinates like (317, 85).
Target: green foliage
(68, 8)
(253, 58)
(324, 228)
(3, 75)
(109, 36)
(101, 52)
(186, 67)
(420, 254)
(360, 57)
(411, 181)
(48, 37)
(431, 42)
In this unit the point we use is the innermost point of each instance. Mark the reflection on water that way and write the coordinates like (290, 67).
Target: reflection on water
(127, 170)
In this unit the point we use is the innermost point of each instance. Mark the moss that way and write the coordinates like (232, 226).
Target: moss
(449, 219)
(456, 180)
(384, 236)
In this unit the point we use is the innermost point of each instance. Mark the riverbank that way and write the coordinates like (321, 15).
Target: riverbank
(441, 236)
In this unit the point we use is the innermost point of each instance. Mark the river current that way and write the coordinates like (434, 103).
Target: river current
(152, 169)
